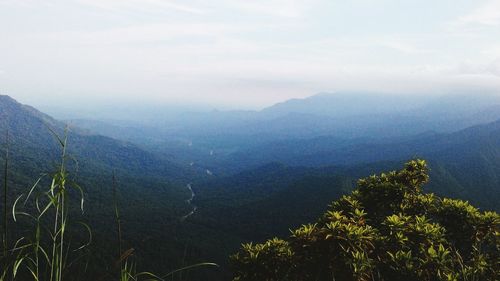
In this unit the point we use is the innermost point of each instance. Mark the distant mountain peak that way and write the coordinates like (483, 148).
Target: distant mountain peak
(8, 101)
(12, 109)
(346, 104)
(7, 98)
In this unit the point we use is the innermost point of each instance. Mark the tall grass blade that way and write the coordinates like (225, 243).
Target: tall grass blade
(118, 220)
(5, 193)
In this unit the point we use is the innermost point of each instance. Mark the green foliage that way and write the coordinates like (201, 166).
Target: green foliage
(153, 189)
(46, 251)
(276, 252)
(386, 229)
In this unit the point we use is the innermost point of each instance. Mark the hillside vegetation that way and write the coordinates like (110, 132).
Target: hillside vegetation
(261, 185)
(386, 229)
(150, 192)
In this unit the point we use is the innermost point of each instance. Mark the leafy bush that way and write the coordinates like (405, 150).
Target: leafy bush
(386, 229)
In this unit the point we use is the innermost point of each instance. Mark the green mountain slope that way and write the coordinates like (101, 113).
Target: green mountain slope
(465, 163)
(151, 191)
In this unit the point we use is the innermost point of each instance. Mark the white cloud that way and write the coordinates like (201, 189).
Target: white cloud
(138, 5)
(25, 3)
(487, 14)
(404, 47)
(279, 8)
(492, 51)
(135, 6)
(238, 50)
(141, 34)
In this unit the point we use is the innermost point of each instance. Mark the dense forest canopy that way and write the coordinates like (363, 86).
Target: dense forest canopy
(386, 229)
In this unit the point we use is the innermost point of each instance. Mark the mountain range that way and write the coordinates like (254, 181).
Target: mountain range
(255, 174)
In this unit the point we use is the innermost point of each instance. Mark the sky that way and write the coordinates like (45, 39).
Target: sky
(242, 54)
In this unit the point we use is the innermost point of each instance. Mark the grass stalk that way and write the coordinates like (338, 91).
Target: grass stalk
(48, 258)
(118, 221)
(5, 193)
(58, 198)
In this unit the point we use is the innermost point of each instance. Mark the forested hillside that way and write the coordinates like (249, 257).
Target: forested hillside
(386, 229)
(151, 191)
(246, 187)
(457, 159)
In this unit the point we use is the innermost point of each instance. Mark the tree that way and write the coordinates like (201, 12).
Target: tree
(386, 229)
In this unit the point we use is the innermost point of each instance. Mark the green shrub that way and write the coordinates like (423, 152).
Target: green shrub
(386, 229)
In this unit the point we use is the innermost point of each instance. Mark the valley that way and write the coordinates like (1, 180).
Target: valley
(249, 140)
(199, 185)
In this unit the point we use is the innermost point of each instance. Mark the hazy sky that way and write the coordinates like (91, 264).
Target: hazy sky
(243, 53)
